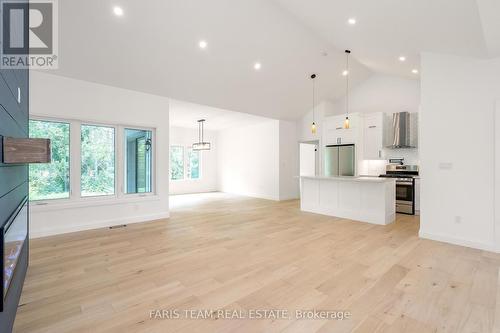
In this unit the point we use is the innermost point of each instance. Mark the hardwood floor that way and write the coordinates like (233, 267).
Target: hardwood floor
(247, 254)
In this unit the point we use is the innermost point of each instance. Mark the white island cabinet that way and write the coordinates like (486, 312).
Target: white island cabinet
(366, 199)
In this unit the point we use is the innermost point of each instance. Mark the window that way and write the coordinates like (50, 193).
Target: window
(176, 162)
(193, 165)
(97, 160)
(103, 167)
(50, 181)
(138, 155)
(184, 166)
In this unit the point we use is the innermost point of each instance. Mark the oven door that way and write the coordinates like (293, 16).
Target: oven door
(404, 196)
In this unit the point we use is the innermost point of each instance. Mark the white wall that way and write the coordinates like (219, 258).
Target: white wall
(259, 160)
(381, 93)
(65, 98)
(457, 149)
(248, 160)
(288, 160)
(208, 181)
(497, 171)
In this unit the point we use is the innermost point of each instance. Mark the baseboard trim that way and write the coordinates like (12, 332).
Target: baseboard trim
(459, 241)
(34, 233)
(253, 195)
(289, 197)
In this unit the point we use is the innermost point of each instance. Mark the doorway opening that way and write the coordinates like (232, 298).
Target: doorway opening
(309, 158)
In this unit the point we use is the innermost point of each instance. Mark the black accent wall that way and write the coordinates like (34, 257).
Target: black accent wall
(13, 178)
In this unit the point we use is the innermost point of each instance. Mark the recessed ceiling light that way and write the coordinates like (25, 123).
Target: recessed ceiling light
(345, 73)
(402, 58)
(203, 44)
(118, 11)
(414, 71)
(257, 66)
(351, 21)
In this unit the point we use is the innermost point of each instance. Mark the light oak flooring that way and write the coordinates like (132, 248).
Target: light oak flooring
(240, 253)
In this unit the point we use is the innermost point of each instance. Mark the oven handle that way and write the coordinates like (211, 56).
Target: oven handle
(404, 183)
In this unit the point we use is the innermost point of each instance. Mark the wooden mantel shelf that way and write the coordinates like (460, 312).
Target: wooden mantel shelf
(16, 151)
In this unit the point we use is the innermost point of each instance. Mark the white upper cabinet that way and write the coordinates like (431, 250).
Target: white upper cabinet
(335, 134)
(373, 132)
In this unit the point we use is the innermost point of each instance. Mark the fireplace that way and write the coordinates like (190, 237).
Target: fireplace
(14, 237)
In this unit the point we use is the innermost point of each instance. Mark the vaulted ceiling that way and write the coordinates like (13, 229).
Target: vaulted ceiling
(186, 115)
(154, 48)
(388, 29)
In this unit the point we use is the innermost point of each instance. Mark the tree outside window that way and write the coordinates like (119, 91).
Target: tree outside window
(185, 163)
(97, 160)
(51, 180)
(193, 165)
(176, 162)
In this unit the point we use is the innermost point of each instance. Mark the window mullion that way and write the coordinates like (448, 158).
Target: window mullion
(75, 160)
(186, 161)
(120, 161)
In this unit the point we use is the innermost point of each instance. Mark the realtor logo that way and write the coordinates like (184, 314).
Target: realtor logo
(29, 34)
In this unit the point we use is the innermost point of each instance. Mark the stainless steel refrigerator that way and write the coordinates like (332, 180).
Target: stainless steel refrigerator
(340, 160)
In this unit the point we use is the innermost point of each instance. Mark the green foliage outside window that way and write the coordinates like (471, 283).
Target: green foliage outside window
(176, 162)
(51, 180)
(98, 160)
(193, 164)
(184, 166)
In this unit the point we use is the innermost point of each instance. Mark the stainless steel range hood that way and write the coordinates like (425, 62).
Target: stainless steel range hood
(403, 131)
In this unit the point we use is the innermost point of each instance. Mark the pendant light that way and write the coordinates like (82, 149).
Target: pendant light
(346, 121)
(201, 144)
(313, 125)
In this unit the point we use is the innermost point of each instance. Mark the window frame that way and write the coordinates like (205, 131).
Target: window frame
(75, 198)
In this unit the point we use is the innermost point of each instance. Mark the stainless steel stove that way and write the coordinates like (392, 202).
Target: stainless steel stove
(405, 186)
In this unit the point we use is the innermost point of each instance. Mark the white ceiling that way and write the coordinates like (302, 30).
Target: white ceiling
(489, 11)
(186, 115)
(387, 29)
(153, 47)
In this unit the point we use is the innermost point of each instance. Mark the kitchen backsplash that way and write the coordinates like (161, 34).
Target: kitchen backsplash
(377, 167)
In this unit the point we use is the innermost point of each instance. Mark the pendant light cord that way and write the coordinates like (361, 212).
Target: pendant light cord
(347, 84)
(199, 131)
(201, 139)
(314, 96)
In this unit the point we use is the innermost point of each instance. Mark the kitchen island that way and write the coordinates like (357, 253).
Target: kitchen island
(366, 199)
